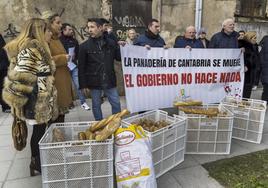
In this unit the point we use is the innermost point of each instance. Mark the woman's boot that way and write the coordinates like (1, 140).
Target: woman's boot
(35, 166)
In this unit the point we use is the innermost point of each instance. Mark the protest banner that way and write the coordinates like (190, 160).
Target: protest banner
(155, 78)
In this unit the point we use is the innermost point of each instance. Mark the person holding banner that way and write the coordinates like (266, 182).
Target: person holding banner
(227, 37)
(151, 37)
(189, 40)
(96, 68)
(131, 36)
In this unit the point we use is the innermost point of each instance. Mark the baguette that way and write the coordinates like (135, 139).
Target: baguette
(188, 103)
(109, 129)
(109, 119)
(122, 113)
(201, 111)
(89, 135)
(98, 125)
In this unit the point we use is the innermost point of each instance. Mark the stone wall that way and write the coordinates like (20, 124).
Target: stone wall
(13, 13)
(176, 15)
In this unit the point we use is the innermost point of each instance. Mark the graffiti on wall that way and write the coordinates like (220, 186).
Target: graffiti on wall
(129, 21)
(11, 31)
(81, 32)
(130, 14)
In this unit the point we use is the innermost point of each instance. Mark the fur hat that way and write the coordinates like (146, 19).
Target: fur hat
(46, 15)
(250, 35)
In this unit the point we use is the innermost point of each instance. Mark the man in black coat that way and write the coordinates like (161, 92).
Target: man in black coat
(264, 67)
(4, 63)
(96, 68)
(227, 37)
(151, 37)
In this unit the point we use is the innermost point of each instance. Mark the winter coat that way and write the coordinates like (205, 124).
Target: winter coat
(4, 63)
(150, 39)
(70, 42)
(96, 63)
(264, 60)
(63, 79)
(31, 68)
(248, 60)
(206, 42)
(222, 40)
(111, 35)
(182, 42)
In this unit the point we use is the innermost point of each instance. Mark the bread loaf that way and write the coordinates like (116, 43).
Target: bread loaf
(82, 136)
(122, 113)
(58, 136)
(109, 129)
(98, 125)
(89, 135)
(188, 103)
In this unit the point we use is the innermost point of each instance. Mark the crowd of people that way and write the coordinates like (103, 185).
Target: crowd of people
(39, 69)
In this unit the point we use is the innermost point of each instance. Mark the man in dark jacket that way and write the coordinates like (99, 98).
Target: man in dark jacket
(4, 63)
(151, 37)
(264, 67)
(227, 37)
(107, 32)
(96, 68)
(68, 41)
(189, 40)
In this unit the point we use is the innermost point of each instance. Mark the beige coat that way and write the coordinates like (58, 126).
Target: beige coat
(63, 79)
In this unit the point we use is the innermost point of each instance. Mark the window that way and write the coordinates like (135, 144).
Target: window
(251, 8)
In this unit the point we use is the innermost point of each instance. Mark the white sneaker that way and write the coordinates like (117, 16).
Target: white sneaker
(85, 106)
(254, 88)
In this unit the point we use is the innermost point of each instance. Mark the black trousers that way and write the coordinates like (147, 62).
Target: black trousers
(257, 77)
(60, 119)
(265, 92)
(247, 90)
(38, 131)
(3, 74)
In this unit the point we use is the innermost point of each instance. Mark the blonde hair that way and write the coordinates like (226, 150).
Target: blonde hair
(250, 35)
(128, 31)
(33, 29)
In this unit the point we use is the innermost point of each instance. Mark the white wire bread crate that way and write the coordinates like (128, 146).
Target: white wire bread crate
(209, 135)
(75, 163)
(168, 143)
(249, 115)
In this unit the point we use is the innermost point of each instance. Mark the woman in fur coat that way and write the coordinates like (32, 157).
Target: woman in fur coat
(29, 87)
(63, 79)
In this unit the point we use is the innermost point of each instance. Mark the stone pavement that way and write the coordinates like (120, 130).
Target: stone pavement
(14, 165)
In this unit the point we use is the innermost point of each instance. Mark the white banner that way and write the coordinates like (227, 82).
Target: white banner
(155, 78)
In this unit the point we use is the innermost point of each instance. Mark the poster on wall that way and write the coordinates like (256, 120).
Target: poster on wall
(129, 14)
(155, 78)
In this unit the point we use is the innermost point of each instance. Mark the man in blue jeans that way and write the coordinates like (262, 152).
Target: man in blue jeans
(68, 41)
(96, 68)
